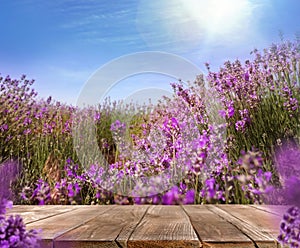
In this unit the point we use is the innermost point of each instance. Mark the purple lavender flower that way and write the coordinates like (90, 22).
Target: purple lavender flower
(240, 126)
(97, 116)
(171, 197)
(118, 127)
(211, 191)
(27, 131)
(230, 110)
(287, 162)
(244, 115)
(210, 184)
(4, 127)
(13, 232)
(4, 204)
(222, 113)
(292, 190)
(171, 127)
(189, 197)
(42, 192)
(254, 181)
(49, 99)
(8, 172)
(290, 228)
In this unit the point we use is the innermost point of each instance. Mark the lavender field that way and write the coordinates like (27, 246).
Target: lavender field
(231, 137)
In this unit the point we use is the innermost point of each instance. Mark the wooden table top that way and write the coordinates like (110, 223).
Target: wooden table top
(154, 226)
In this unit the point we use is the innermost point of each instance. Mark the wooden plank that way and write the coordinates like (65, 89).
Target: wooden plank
(268, 223)
(57, 225)
(31, 213)
(274, 209)
(154, 226)
(278, 211)
(164, 226)
(215, 231)
(246, 219)
(110, 229)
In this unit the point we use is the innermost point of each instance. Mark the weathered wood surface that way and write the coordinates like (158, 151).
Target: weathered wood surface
(164, 226)
(213, 230)
(154, 226)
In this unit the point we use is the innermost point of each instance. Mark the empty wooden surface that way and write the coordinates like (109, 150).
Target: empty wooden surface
(154, 226)
(213, 230)
(164, 226)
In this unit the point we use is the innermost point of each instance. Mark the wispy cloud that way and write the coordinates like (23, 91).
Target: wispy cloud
(100, 21)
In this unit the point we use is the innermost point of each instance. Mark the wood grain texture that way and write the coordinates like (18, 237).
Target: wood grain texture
(215, 231)
(267, 223)
(216, 226)
(34, 213)
(109, 229)
(274, 209)
(245, 219)
(57, 225)
(164, 226)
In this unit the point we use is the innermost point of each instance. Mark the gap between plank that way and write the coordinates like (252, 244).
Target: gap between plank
(76, 226)
(43, 218)
(254, 243)
(117, 242)
(198, 236)
(265, 210)
(139, 222)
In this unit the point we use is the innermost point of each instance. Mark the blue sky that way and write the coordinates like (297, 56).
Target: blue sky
(61, 43)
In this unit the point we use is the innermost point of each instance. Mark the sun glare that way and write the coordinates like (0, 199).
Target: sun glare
(219, 17)
(187, 24)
